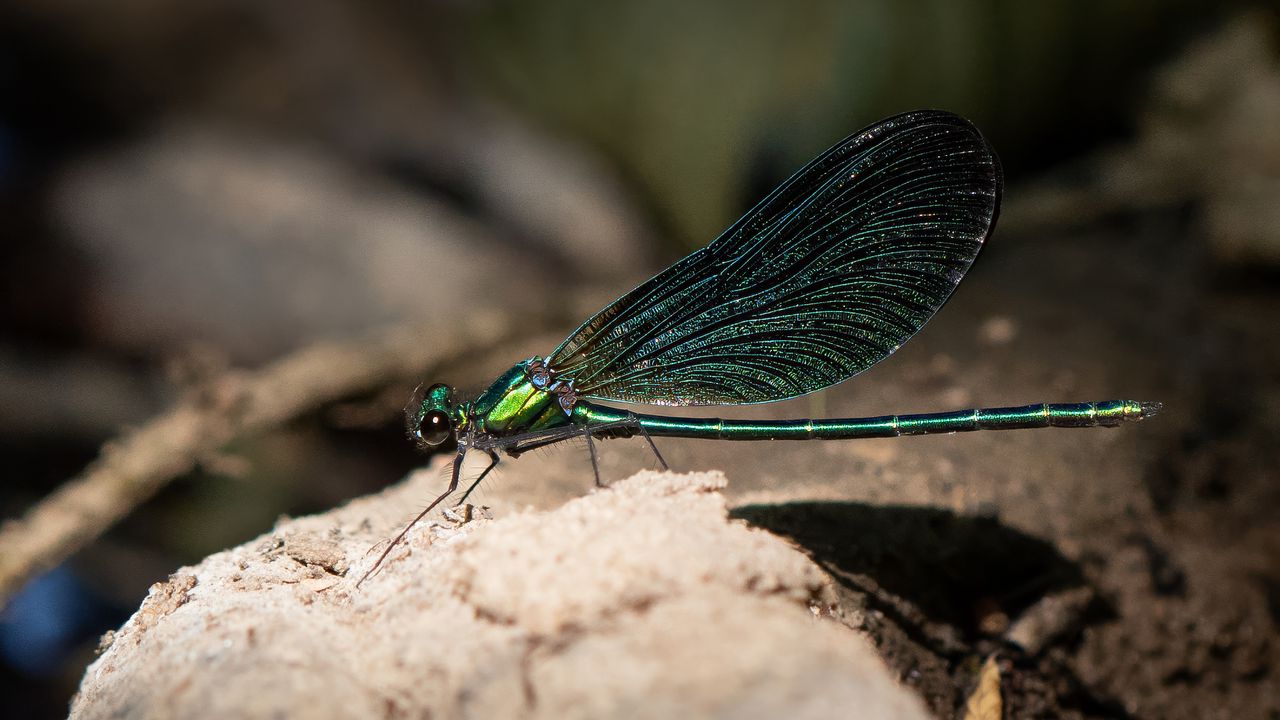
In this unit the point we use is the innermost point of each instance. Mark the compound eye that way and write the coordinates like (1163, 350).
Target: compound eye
(435, 427)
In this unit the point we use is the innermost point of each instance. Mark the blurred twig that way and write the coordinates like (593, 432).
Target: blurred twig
(84, 398)
(132, 468)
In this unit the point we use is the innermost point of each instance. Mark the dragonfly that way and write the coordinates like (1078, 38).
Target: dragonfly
(825, 277)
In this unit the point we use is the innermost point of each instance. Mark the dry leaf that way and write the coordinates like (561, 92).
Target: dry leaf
(984, 703)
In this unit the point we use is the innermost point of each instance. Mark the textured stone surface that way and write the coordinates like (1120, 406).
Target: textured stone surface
(643, 600)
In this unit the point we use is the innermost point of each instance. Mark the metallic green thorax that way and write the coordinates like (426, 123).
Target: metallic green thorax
(513, 405)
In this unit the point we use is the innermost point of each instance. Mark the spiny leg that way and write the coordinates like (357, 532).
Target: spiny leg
(453, 485)
(493, 463)
(631, 423)
(522, 443)
(595, 461)
(662, 461)
(519, 444)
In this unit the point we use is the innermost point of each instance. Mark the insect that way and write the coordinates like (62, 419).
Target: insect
(828, 275)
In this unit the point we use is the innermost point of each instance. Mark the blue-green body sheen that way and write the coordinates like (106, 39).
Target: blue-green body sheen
(1108, 413)
(512, 405)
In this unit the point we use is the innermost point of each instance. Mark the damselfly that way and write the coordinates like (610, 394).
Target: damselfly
(828, 275)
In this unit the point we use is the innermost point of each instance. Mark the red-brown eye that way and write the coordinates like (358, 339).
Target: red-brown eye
(435, 427)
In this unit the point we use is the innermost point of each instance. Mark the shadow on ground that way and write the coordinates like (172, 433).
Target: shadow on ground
(955, 570)
(937, 589)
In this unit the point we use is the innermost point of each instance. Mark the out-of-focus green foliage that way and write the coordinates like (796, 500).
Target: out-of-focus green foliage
(694, 98)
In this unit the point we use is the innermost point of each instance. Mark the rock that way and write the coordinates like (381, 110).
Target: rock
(642, 600)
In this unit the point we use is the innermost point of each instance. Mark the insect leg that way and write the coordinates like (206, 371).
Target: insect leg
(662, 461)
(516, 445)
(519, 444)
(493, 463)
(453, 485)
(595, 461)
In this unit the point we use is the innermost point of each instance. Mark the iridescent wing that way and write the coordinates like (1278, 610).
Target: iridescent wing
(828, 275)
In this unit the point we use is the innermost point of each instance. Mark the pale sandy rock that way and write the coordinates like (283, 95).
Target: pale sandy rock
(640, 601)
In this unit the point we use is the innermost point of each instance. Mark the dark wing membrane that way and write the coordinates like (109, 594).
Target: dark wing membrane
(824, 278)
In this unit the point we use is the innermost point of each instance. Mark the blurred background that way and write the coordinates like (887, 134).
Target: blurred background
(189, 188)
